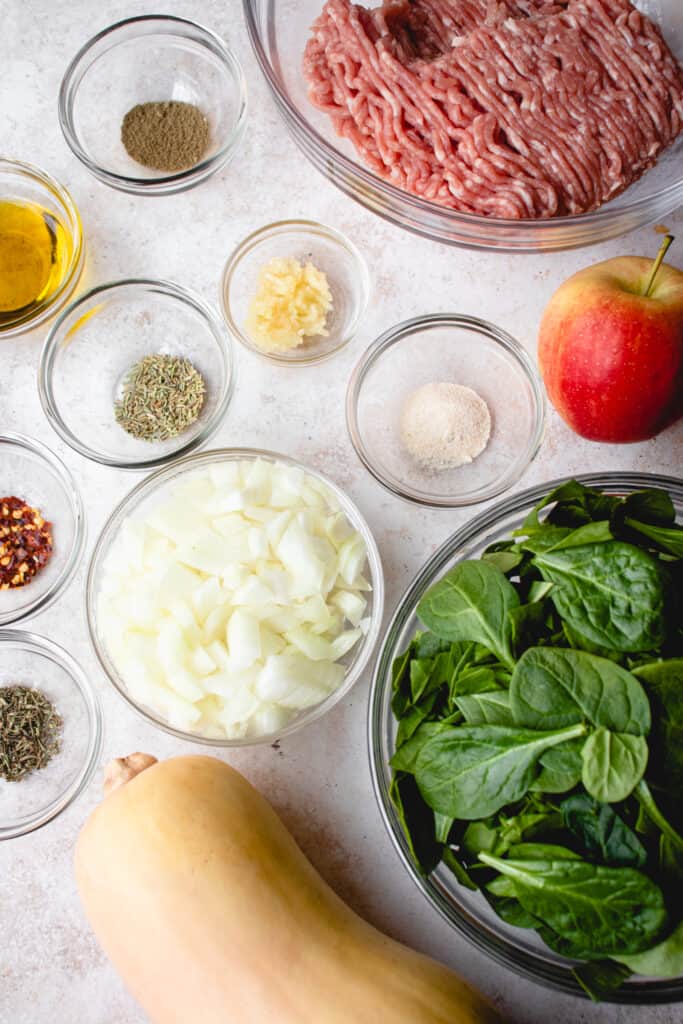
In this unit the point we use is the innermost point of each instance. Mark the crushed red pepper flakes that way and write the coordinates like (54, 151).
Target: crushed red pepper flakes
(25, 542)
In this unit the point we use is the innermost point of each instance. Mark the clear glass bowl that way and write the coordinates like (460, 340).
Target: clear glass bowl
(147, 495)
(100, 336)
(30, 660)
(518, 949)
(279, 30)
(305, 240)
(460, 350)
(145, 59)
(24, 183)
(30, 471)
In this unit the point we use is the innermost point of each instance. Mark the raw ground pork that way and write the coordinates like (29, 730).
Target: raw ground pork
(503, 108)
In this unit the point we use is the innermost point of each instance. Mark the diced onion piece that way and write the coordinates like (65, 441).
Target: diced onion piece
(244, 639)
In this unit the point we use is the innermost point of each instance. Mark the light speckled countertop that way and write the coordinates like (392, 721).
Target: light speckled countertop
(51, 970)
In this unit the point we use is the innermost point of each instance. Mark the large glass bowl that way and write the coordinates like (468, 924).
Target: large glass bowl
(518, 949)
(152, 492)
(279, 30)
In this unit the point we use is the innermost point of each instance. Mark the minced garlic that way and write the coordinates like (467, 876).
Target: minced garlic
(291, 303)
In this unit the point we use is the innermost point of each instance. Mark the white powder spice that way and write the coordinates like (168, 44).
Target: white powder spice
(444, 425)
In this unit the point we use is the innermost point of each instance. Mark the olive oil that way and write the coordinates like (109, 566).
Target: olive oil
(35, 252)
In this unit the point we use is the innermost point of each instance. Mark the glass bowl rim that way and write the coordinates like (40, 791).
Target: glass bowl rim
(165, 183)
(35, 643)
(406, 328)
(175, 292)
(54, 301)
(297, 226)
(145, 489)
(368, 179)
(551, 976)
(46, 456)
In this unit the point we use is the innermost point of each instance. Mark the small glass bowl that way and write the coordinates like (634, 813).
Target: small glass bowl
(461, 350)
(34, 661)
(99, 337)
(147, 495)
(30, 471)
(518, 949)
(305, 240)
(150, 58)
(24, 183)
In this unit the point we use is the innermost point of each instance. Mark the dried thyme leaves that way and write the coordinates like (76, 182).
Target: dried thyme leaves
(162, 396)
(30, 731)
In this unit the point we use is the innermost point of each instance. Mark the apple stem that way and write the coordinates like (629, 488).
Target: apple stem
(659, 259)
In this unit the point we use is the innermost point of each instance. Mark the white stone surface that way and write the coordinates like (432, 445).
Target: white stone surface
(51, 970)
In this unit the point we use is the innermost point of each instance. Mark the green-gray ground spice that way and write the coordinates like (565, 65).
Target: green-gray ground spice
(166, 136)
(30, 730)
(162, 396)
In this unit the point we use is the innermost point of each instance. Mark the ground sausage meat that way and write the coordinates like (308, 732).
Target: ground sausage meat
(502, 108)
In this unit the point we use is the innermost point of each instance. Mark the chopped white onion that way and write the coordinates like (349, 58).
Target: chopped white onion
(228, 609)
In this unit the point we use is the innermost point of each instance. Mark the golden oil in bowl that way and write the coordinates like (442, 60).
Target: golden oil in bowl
(41, 247)
(35, 254)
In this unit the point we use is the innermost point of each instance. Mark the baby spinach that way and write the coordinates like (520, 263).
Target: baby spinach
(669, 539)
(472, 603)
(613, 764)
(554, 687)
(539, 747)
(612, 593)
(470, 772)
(601, 833)
(663, 682)
(665, 960)
(417, 821)
(561, 768)
(603, 911)
(600, 978)
(491, 708)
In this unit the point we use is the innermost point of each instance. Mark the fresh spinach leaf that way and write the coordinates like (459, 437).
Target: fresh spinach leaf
(442, 827)
(459, 870)
(492, 708)
(612, 593)
(665, 960)
(601, 911)
(579, 642)
(472, 603)
(512, 912)
(663, 682)
(590, 533)
(470, 772)
(481, 835)
(649, 806)
(528, 624)
(651, 505)
(668, 539)
(504, 561)
(602, 834)
(574, 505)
(542, 851)
(405, 757)
(613, 764)
(601, 978)
(417, 822)
(555, 687)
(475, 679)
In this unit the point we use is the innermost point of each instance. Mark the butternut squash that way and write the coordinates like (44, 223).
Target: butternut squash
(212, 914)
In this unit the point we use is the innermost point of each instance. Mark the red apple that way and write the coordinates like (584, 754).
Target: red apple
(611, 349)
